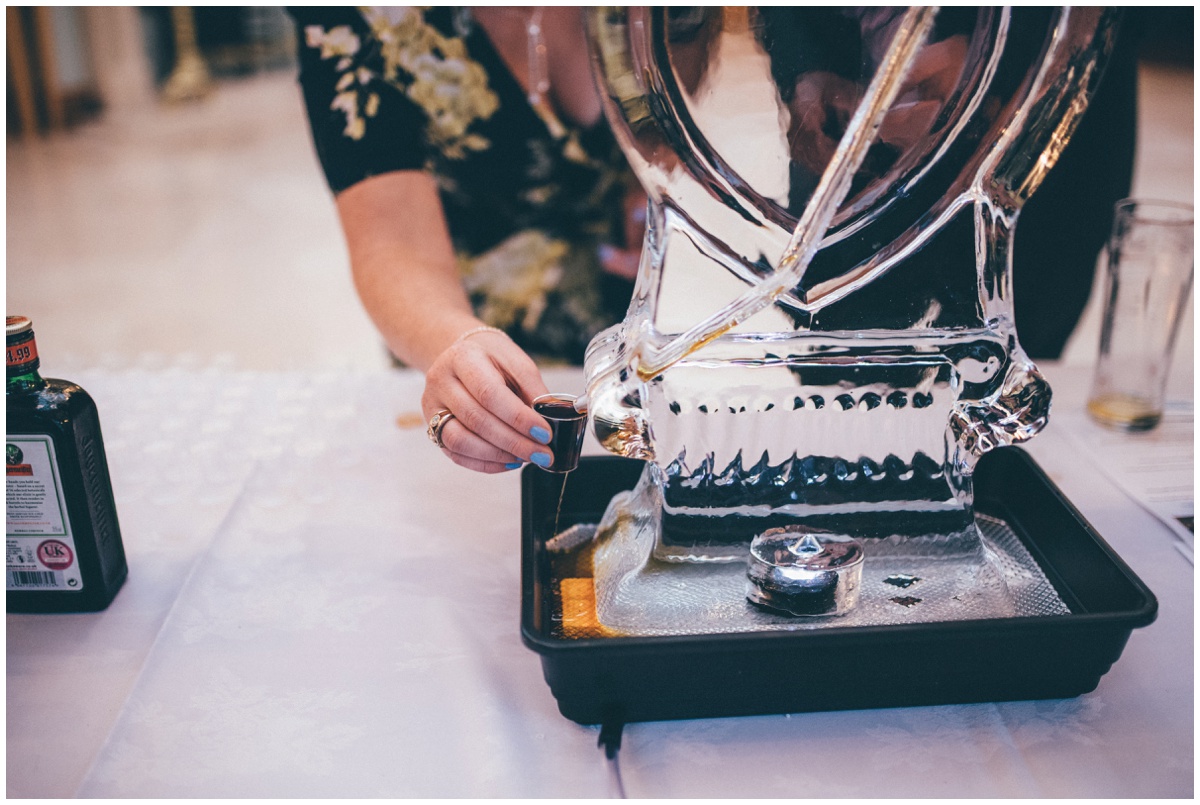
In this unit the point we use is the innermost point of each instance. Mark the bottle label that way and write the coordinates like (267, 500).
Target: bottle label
(21, 354)
(41, 548)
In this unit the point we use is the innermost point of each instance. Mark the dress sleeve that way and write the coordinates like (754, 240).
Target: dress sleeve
(362, 125)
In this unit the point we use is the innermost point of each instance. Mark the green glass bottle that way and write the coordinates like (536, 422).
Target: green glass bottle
(64, 544)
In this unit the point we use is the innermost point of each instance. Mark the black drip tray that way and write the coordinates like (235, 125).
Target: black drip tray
(622, 679)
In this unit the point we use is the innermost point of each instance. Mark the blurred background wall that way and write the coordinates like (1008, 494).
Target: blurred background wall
(67, 64)
(165, 206)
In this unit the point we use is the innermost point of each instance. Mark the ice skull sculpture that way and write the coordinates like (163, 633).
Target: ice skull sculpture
(822, 329)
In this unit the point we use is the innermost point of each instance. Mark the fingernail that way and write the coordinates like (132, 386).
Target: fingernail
(541, 459)
(540, 435)
(605, 252)
(514, 465)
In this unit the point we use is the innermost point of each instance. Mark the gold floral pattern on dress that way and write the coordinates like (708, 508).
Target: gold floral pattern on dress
(343, 44)
(515, 277)
(432, 69)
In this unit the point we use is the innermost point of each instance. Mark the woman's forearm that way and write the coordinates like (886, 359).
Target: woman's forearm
(404, 266)
(405, 272)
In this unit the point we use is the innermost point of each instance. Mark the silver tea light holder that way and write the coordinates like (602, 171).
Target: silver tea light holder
(801, 571)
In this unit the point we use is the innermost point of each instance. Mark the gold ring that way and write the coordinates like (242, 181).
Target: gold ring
(437, 423)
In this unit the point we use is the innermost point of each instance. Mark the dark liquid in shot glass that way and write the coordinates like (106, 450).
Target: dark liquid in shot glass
(566, 431)
(566, 439)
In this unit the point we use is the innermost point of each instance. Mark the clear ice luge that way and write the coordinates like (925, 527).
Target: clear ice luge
(821, 330)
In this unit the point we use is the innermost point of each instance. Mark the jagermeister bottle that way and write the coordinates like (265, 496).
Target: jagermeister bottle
(64, 544)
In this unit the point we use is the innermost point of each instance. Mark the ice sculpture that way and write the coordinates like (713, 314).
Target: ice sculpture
(822, 329)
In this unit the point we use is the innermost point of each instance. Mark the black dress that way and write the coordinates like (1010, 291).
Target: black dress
(528, 199)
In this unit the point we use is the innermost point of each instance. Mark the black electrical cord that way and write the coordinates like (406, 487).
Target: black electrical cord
(610, 742)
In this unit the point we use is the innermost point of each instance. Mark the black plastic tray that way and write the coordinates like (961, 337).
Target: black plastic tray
(623, 679)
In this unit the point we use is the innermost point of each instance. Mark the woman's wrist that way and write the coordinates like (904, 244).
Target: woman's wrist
(449, 334)
(483, 328)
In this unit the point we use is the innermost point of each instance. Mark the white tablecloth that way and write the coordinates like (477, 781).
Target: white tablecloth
(321, 605)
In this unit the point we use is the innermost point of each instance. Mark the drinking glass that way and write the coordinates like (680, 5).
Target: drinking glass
(1149, 279)
(567, 426)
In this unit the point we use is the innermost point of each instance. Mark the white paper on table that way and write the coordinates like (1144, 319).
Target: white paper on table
(1155, 468)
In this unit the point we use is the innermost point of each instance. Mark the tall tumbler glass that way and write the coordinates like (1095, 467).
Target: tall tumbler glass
(1149, 281)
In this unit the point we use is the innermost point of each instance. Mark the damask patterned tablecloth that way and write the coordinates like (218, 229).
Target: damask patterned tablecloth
(321, 605)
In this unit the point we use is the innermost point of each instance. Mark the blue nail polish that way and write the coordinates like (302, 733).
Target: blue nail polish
(540, 434)
(514, 465)
(541, 459)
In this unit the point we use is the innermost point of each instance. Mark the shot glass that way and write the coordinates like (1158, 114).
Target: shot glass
(567, 426)
(1149, 280)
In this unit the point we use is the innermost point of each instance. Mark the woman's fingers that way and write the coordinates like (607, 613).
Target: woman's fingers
(461, 441)
(490, 378)
(479, 466)
(492, 424)
(467, 449)
(634, 208)
(520, 371)
(488, 408)
(904, 126)
(621, 262)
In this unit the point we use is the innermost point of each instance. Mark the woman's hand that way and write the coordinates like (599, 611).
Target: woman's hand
(624, 262)
(488, 382)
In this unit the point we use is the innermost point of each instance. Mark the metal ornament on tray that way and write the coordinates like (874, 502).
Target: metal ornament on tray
(798, 572)
(822, 331)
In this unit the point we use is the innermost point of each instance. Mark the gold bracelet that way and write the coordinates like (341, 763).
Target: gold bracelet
(477, 331)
